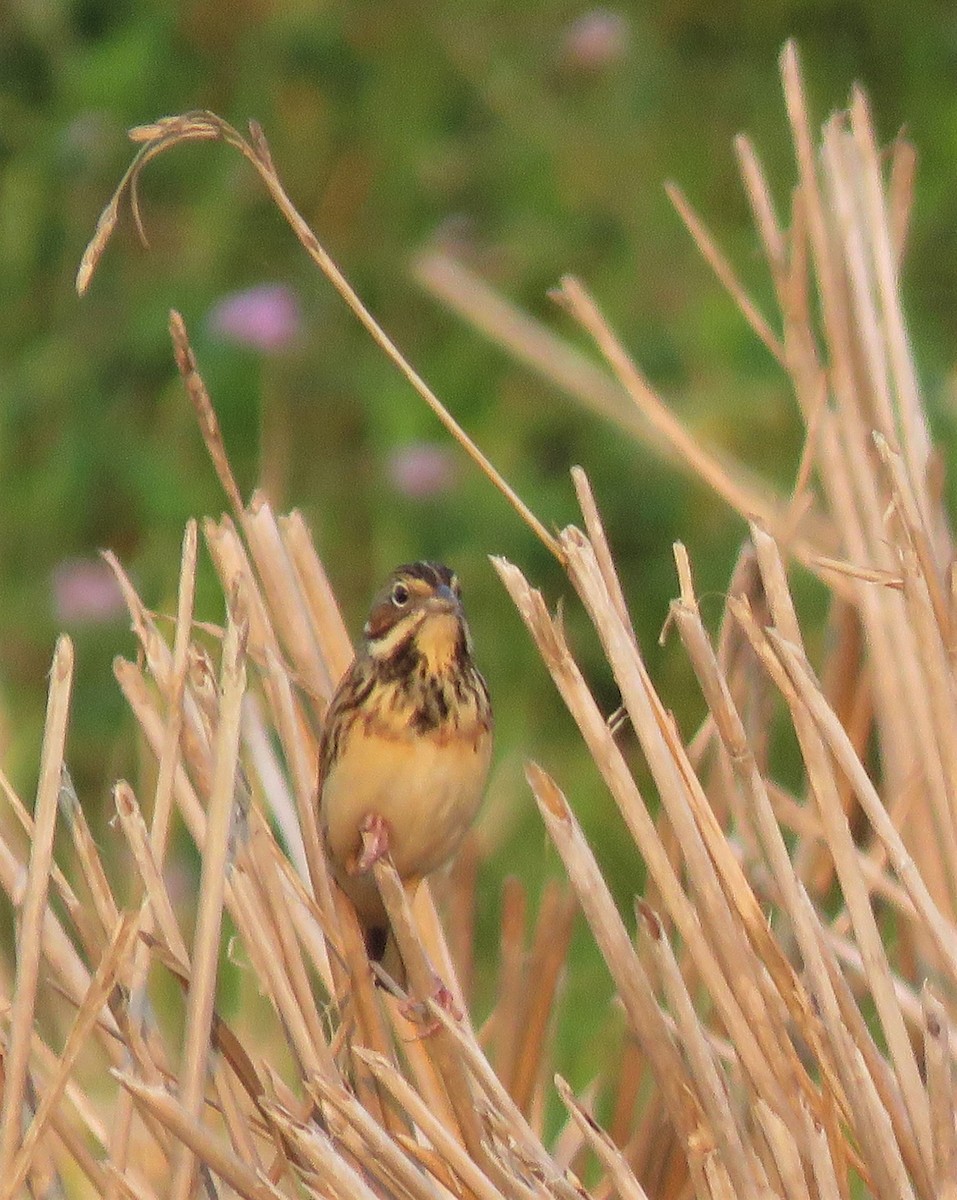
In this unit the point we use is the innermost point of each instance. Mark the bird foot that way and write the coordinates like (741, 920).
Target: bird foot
(375, 834)
(418, 1013)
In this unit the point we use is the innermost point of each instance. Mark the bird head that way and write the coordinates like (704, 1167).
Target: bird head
(419, 611)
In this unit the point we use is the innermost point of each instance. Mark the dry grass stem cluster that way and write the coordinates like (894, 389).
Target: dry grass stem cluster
(790, 983)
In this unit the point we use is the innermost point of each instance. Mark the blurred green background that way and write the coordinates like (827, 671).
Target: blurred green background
(534, 137)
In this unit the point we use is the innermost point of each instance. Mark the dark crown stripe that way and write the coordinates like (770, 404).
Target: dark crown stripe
(429, 572)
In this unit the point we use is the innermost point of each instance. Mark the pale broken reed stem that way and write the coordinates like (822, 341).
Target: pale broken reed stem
(610, 761)
(29, 933)
(88, 859)
(553, 931)
(614, 1162)
(212, 885)
(613, 940)
(840, 841)
(423, 981)
(100, 987)
(468, 1171)
(515, 1128)
(725, 272)
(372, 1139)
(732, 977)
(194, 1135)
(938, 1063)
(710, 1088)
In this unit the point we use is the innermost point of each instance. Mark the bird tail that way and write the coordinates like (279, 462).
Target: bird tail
(381, 947)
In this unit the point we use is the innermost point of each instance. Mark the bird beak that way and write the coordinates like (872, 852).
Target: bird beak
(445, 600)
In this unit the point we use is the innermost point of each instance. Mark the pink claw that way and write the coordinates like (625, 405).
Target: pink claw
(375, 844)
(418, 1013)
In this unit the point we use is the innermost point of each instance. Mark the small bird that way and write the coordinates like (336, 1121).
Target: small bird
(405, 746)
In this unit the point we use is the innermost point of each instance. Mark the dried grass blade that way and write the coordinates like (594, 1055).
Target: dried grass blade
(193, 1134)
(803, 919)
(198, 702)
(236, 575)
(160, 908)
(631, 1064)
(827, 274)
(97, 1176)
(742, 495)
(885, 1084)
(549, 949)
(918, 533)
(938, 1060)
(223, 1037)
(264, 766)
(506, 1016)
(30, 931)
(913, 420)
(599, 540)
(841, 170)
(516, 1133)
(891, 579)
(370, 1025)
(259, 939)
(322, 259)
(787, 1158)
(943, 932)
(286, 603)
(163, 798)
(529, 341)
(432, 935)
(323, 945)
(81, 919)
(608, 1154)
(211, 893)
(609, 759)
(137, 694)
(380, 1147)
(236, 1119)
(900, 195)
(71, 975)
(82, 1104)
(329, 627)
(830, 1185)
(443, 1050)
(472, 1176)
(101, 985)
(762, 209)
(275, 910)
(728, 967)
(887, 1173)
(457, 902)
(842, 846)
(206, 125)
(710, 1087)
(203, 407)
(334, 1174)
(725, 272)
(88, 856)
(300, 750)
(633, 986)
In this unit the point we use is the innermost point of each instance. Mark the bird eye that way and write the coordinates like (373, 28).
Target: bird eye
(400, 595)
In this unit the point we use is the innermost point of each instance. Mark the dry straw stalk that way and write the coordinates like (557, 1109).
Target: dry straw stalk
(789, 994)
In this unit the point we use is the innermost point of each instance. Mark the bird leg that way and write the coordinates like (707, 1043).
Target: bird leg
(375, 834)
